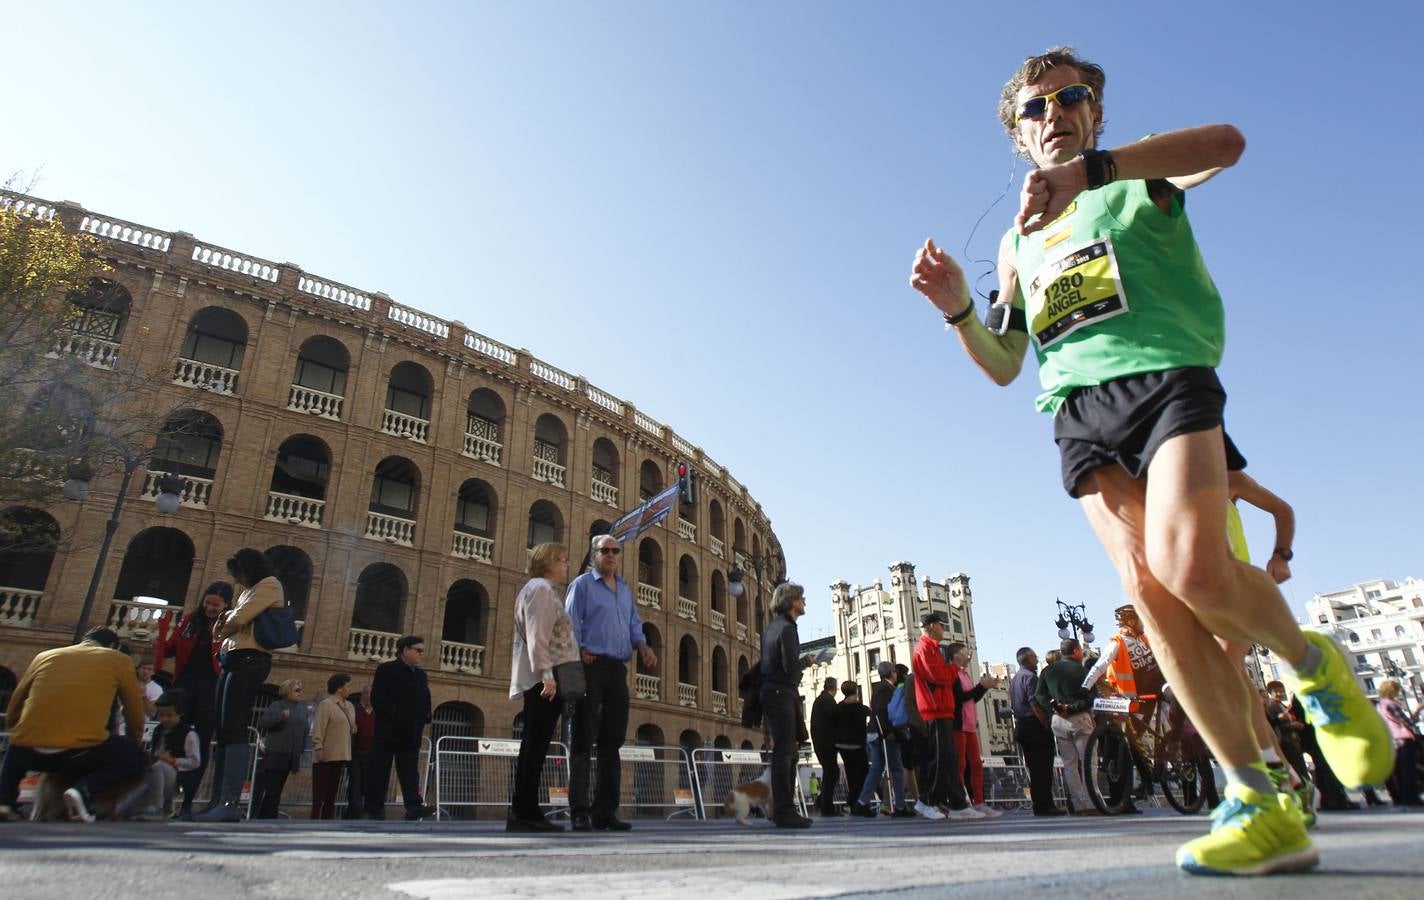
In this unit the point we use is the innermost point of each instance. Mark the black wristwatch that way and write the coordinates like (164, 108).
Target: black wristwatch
(1099, 167)
(1285, 553)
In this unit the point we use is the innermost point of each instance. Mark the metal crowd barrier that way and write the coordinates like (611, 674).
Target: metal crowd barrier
(471, 772)
(717, 771)
(658, 781)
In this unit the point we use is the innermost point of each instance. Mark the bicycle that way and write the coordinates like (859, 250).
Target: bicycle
(1123, 742)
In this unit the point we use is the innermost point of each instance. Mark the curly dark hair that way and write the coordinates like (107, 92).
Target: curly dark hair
(1032, 70)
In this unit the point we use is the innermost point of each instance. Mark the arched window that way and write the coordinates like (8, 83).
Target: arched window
(212, 351)
(650, 563)
(391, 515)
(96, 323)
(157, 567)
(687, 578)
(319, 382)
(604, 488)
(28, 538)
(550, 441)
(297, 492)
(546, 524)
(719, 592)
(456, 719)
(380, 601)
(408, 396)
(294, 570)
(719, 670)
(188, 444)
(654, 637)
(466, 606)
(739, 535)
(650, 480)
(484, 426)
(717, 524)
(689, 663)
(475, 508)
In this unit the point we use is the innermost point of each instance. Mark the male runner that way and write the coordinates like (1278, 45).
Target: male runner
(1128, 328)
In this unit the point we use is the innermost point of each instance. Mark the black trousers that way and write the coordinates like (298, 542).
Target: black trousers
(378, 777)
(242, 677)
(267, 788)
(601, 715)
(200, 712)
(93, 769)
(857, 766)
(830, 777)
(1038, 747)
(356, 783)
(780, 711)
(541, 720)
(946, 784)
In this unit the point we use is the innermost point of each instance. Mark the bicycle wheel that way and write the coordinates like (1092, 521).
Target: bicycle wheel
(1181, 782)
(1107, 769)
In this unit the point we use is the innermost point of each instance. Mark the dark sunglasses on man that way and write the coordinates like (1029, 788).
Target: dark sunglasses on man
(1070, 95)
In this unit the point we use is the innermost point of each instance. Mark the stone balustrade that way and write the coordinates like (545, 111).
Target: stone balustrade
(647, 687)
(550, 472)
(472, 546)
(466, 658)
(336, 293)
(96, 351)
(482, 448)
(205, 376)
(125, 232)
(318, 403)
(294, 510)
(687, 609)
(686, 530)
(716, 546)
(719, 703)
(650, 596)
(195, 493)
(605, 400)
(18, 607)
(604, 493)
(371, 645)
(687, 695)
(683, 447)
(28, 209)
(718, 620)
(493, 349)
(391, 529)
(741, 631)
(136, 621)
(414, 318)
(555, 376)
(399, 424)
(647, 423)
(219, 258)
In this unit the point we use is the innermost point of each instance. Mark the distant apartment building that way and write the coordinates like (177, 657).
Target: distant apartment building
(1381, 624)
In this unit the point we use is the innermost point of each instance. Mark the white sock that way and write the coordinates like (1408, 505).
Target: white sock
(1272, 757)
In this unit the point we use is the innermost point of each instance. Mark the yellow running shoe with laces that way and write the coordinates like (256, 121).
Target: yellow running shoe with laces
(1251, 834)
(1351, 733)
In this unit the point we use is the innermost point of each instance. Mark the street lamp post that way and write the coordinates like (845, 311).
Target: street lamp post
(1075, 615)
(735, 587)
(77, 488)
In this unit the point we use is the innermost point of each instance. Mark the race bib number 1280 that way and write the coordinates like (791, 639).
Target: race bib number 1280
(1075, 290)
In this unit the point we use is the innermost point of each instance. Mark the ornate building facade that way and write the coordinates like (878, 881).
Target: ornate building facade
(397, 469)
(874, 625)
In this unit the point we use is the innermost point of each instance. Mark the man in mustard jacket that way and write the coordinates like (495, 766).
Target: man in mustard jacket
(59, 716)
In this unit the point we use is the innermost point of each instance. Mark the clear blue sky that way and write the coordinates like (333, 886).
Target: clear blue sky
(711, 209)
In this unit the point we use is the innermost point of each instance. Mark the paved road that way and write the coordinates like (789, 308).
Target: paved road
(1364, 855)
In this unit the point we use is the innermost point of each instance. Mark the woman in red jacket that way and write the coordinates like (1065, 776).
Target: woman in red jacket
(195, 672)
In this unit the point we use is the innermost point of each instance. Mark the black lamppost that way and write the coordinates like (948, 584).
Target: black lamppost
(736, 588)
(76, 487)
(1075, 615)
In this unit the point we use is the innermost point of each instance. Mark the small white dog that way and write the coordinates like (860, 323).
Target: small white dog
(746, 797)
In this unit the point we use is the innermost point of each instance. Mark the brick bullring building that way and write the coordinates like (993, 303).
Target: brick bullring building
(396, 468)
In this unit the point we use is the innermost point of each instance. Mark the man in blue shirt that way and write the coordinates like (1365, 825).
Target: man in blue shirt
(608, 629)
(1032, 733)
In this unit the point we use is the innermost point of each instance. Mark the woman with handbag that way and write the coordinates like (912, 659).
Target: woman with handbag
(544, 645)
(286, 725)
(245, 665)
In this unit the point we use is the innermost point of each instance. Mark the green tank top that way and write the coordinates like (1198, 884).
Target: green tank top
(1116, 287)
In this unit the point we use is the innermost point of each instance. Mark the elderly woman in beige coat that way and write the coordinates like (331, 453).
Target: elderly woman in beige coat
(331, 744)
(245, 666)
(543, 638)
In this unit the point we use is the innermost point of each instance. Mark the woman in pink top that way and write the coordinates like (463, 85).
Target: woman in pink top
(1404, 783)
(966, 735)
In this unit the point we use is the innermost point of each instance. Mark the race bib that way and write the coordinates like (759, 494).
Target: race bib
(1073, 290)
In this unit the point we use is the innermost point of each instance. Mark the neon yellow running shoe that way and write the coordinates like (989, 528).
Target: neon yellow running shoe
(1352, 735)
(1251, 834)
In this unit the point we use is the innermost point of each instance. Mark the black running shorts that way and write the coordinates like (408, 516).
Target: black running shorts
(1126, 420)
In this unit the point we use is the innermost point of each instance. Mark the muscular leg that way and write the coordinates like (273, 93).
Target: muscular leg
(1202, 677)
(1260, 725)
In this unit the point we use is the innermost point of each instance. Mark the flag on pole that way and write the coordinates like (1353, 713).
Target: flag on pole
(645, 516)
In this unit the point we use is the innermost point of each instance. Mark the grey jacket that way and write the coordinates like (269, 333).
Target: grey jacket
(285, 735)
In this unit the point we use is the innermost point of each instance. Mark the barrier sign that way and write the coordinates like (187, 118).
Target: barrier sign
(499, 748)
